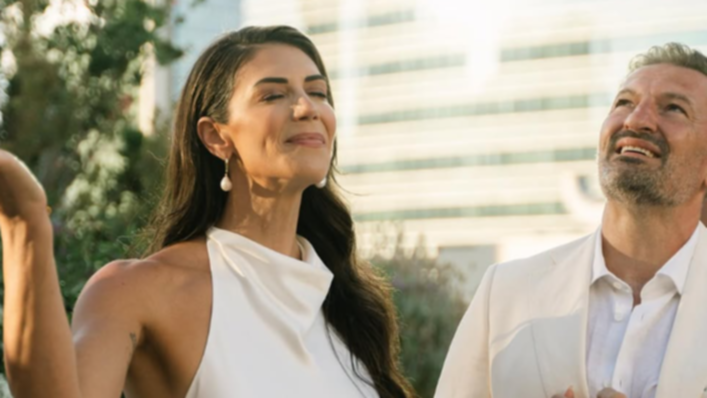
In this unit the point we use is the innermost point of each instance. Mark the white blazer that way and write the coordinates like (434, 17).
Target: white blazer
(524, 334)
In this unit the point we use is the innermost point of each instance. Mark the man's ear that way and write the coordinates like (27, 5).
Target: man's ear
(213, 138)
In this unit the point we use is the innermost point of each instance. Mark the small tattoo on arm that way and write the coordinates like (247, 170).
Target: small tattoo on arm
(133, 339)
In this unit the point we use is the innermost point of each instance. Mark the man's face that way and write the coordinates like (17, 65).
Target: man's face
(653, 143)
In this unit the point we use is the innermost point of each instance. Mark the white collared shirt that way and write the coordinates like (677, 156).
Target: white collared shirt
(626, 344)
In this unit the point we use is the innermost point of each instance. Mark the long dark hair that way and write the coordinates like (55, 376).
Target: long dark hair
(358, 305)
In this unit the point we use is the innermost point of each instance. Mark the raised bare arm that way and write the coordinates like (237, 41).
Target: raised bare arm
(41, 358)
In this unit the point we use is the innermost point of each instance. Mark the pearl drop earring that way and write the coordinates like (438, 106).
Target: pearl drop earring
(321, 184)
(226, 184)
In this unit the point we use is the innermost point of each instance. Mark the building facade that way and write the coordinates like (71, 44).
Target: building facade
(469, 124)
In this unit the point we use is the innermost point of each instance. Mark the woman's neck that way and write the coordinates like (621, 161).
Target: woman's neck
(264, 217)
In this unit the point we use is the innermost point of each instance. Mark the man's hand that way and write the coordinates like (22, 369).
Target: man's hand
(610, 393)
(605, 393)
(568, 394)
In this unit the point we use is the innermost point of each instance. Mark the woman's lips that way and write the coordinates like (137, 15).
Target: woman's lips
(312, 140)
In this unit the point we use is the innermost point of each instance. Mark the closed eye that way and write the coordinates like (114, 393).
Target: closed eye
(318, 94)
(272, 97)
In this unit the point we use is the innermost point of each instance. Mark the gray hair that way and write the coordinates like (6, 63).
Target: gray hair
(677, 54)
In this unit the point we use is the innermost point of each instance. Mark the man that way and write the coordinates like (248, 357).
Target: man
(623, 308)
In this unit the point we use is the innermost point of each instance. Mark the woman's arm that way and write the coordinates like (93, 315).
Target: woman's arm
(40, 357)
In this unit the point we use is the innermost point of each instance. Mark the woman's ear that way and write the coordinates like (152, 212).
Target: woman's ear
(213, 139)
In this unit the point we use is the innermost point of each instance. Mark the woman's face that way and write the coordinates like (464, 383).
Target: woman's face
(280, 122)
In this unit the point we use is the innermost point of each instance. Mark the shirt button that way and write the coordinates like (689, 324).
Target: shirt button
(619, 315)
(617, 286)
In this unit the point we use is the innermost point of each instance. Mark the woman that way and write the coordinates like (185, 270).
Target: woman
(254, 288)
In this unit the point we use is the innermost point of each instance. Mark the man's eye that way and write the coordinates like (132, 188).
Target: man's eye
(675, 108)
(318, 94)
(622, 102)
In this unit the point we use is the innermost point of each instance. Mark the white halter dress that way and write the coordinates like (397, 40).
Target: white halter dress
(267, 336)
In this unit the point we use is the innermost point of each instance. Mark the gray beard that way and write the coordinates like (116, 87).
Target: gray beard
(637, 187)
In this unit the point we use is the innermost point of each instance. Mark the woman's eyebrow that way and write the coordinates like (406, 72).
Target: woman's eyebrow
(314, 77)
(282, 80)
(278, 80)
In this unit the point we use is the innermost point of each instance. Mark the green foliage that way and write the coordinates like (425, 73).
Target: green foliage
(429, 308)
(68, 113)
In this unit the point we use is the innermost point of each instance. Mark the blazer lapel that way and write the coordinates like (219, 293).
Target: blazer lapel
(684, 369)
(560, 327)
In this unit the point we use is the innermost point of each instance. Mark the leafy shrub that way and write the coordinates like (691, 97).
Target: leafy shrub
(429, 310)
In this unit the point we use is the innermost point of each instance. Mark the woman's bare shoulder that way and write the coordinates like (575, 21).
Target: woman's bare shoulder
(136, 305)
(163, 273)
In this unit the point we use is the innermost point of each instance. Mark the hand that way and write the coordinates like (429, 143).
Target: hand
(610, 393)
(605, 393)
(568, 394)
(21, 195)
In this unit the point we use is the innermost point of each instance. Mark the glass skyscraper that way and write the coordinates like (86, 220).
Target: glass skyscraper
(473, 125)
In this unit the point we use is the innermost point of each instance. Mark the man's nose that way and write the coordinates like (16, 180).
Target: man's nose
(643, 118)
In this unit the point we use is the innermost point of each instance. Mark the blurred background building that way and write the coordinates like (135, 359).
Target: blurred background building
(472, 125)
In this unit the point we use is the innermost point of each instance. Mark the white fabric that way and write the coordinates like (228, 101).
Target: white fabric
(268, 337)
(626, 344)
(525, 332)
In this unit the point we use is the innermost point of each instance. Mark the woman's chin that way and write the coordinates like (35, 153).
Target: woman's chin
(311, 175)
